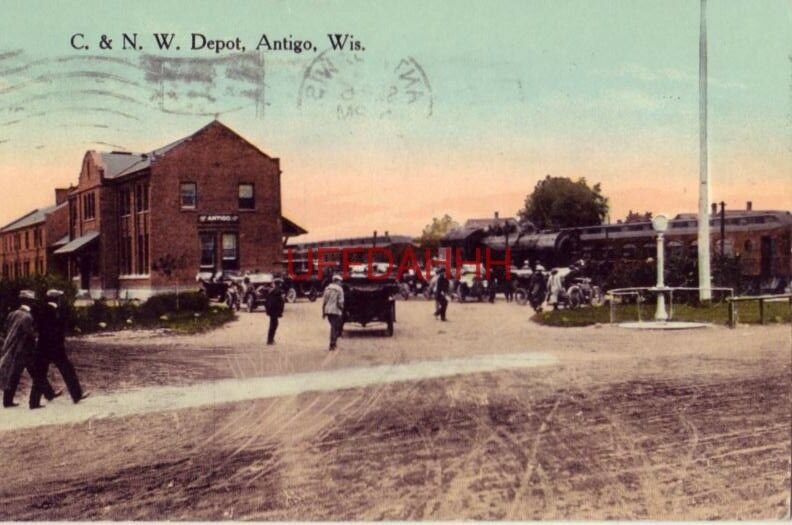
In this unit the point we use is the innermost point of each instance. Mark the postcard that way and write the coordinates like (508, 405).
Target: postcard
(395, 261)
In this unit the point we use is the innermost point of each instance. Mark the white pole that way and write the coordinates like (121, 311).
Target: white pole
(660, 312)
(705, 291)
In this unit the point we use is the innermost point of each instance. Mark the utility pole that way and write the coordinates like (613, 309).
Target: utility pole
(704, 273)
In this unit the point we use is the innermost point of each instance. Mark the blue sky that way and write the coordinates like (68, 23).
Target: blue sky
(509, 92)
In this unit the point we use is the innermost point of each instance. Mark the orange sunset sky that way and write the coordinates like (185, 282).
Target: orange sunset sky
(439, 114)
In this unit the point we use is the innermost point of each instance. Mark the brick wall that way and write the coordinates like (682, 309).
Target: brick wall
(217, 160)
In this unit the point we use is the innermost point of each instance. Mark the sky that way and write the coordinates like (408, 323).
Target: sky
(450, 107)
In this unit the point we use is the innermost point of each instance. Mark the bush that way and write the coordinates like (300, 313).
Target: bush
(166, 303)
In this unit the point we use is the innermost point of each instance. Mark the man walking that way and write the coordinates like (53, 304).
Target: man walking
(441, 294)
(333, 308)
(52, 347)
(274, 305)
(19, 349)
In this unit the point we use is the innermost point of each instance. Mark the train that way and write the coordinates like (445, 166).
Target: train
(759, 241)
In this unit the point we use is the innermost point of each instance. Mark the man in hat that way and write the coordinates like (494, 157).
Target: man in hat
(274, 305)
(441, 294)
(19, 349)
(333, 308)
(52, 346)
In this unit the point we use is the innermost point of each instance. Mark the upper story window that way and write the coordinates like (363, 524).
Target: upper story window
(141, 197)
(27, 240)
(89, 206)
(247, 199)
(124, 202)
(188, 195)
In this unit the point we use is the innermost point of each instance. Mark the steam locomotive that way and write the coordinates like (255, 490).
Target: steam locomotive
(760, 240)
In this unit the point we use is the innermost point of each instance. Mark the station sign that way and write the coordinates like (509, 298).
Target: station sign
(218, 219)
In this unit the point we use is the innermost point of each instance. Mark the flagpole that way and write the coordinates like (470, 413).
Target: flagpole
(704, 274)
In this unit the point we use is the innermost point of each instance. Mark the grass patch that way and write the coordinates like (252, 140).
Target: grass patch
(194, 315)
(717, 313)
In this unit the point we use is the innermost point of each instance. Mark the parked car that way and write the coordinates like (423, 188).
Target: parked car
(368, 301)
(215, 284)
(470, 286)
(257, 287)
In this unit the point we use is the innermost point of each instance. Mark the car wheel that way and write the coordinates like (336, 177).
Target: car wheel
(574, 297)
(521, 296)
(312, 295)
(291, 295)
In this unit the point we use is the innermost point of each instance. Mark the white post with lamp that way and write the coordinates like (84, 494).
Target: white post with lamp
(660, 225)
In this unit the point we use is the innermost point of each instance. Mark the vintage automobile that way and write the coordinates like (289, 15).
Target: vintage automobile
(215, 284)
(310, 288)
(470, 285)
(370, 300)
(257, 287)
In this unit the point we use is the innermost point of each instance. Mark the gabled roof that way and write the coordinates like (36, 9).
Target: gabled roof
(34, 217)
(489, 221)
(120, 163)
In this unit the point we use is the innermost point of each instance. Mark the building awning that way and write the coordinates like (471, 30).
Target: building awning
(63, 241)
(291, 229)
(78, 243)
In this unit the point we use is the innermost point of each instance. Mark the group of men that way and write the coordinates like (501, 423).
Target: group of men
(33, 338)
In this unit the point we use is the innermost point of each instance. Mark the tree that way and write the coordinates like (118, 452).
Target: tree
(432, 233)
(560, 202)
(166, 266)
(634, 216)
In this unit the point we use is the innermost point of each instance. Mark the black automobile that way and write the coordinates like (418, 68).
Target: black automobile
(256, 288)
(215, 285)
(370, 301)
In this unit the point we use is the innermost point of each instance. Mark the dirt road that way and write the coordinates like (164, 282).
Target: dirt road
(624, 424)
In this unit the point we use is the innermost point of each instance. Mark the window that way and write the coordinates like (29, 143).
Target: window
(124, 204)
(189, 195)
(141, 197)
(247, 200)
(125, 254)
(89, 206)
(143, 247)
(27, 240)
(230, 251)
(207, 250)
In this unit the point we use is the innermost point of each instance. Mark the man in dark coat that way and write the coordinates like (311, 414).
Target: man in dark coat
(274, 305)
(441, 295)
(19, 353)
(51, 324)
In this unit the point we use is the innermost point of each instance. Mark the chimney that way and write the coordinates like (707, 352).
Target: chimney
(386, 233)
(749, 205)
(496, 214)
(714, 208)
(61, 194)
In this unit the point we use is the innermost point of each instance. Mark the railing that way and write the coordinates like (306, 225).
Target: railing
(637, 291)
(761, 298)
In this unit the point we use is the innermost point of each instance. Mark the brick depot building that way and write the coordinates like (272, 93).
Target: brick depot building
(139, 224)
(28, 243)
